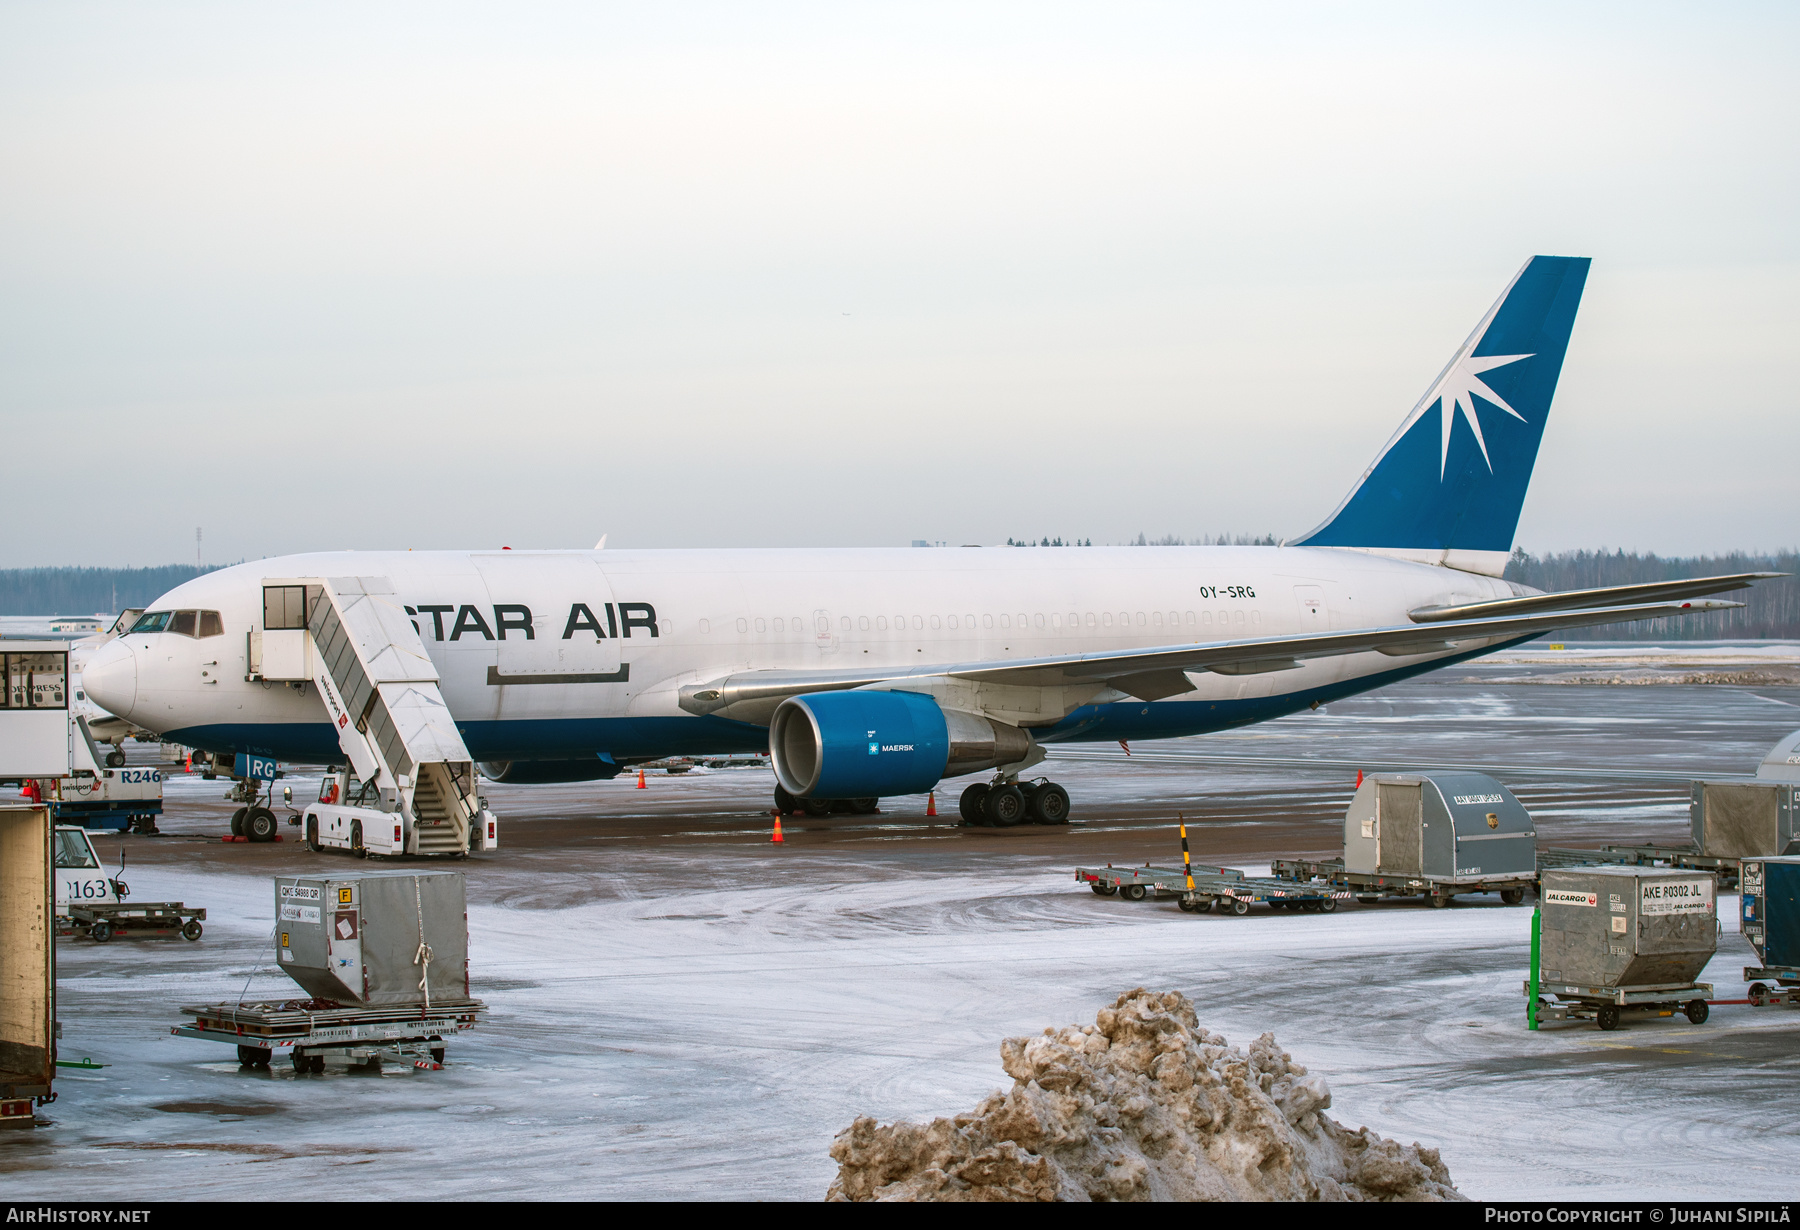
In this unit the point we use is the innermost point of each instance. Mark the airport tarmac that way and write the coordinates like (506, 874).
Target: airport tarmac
(677, 1008)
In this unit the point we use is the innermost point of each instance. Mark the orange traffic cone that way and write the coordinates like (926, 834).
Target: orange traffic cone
(931, 804)
(641, 785)
(777, 837)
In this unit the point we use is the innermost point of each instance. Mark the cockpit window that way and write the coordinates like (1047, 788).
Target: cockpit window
(211, 624)
(182, 622)
(155, 621)
(72, 850)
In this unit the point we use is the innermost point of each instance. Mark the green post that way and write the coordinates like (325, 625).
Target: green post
(1531, 996)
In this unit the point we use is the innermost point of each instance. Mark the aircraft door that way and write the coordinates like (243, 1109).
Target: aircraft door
(1313, 615)
(554, 620)
(823, 634)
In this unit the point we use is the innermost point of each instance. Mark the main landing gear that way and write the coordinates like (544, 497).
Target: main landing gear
(1003, 804)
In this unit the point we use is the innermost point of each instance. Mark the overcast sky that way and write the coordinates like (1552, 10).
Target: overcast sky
(376, 275)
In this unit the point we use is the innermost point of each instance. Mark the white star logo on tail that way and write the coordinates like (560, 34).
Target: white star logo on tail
(1456, 389)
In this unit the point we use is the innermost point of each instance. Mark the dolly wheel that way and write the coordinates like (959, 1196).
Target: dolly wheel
(1236, 905)
(1134, 892)
(1327, 904)
(192, 930)
(316, 1062)
(100, 932)
(1607, 1017)
(1697, 1011)
(1512, 896)
(1102, 890)
(437, 1050)
(1759, 994)
(253, 1056)
(302, 1061)
(1188, 907)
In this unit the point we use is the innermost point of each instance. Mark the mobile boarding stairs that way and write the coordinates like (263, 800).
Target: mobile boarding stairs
(351, 639)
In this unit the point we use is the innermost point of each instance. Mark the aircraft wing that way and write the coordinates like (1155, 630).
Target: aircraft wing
(1582, 599)
(1156, 672)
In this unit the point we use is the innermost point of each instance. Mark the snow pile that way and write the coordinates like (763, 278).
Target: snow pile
(1141, 1105)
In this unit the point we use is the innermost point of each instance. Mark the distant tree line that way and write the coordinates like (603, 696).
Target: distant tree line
(88, 591)
(1771, 609)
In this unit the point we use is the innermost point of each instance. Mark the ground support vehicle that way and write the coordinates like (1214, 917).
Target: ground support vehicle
(1685, 857)
(1369, 887)
(365, 820)
(128, 800)
(27, 963)
(1785, 991)
(305, 1031)
(1146, 882)
(1607, 1006)
(89, 902)
(151, 918)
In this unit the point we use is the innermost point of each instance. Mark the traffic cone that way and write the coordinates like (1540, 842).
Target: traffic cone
(777, 838)
(641, 785)
(931, 804)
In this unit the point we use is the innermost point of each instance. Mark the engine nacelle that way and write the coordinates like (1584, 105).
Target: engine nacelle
(863, 744)
(544, 772)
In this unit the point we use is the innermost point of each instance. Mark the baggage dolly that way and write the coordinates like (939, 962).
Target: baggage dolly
(1368, 887)
(1786, 990)
(1146, 882)
(306, 1030)
(146, 918)
(1606, 1006)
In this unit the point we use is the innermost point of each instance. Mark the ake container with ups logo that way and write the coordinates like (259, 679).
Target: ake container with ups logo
(376, 939)
(1744, 819)
(1438, 826)
(1627, 926)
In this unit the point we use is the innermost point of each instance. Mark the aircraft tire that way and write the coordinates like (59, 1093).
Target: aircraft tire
(785, 803)
(816, 808)
(115, 759)
(237, 822)
(1050, 804)
(1004, 806)
(970, 804)
(865, 807)
(260, 824)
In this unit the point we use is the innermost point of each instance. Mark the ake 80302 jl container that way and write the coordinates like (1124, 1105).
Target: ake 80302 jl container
(1627, 926)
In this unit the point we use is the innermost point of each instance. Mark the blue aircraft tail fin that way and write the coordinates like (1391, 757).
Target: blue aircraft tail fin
(1453, 477)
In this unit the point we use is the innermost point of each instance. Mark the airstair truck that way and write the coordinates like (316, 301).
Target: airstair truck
(351, 640)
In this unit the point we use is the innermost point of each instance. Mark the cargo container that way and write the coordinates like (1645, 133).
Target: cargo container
(375, 939)
(1743, 819)
(1627, 937)
(384, 959)
(27, 964)
(1771, 923)
(1430, 835)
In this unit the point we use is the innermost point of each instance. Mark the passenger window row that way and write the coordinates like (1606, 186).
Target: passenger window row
(185, 623)
(1055, 622)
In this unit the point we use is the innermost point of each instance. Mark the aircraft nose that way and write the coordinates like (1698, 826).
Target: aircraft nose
(110, 679)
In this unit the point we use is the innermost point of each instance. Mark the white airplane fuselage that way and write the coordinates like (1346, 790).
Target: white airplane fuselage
(664, 618)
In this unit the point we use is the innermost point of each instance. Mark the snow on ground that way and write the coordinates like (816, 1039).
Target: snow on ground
(711, 1043)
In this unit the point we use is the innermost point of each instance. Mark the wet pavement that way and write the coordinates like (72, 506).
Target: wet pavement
(679, 1008)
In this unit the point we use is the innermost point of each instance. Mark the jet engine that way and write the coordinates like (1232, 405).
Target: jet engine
(866, 744)
(544, 772)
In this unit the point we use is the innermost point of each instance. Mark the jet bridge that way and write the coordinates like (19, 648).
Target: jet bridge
(351, 639)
